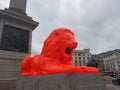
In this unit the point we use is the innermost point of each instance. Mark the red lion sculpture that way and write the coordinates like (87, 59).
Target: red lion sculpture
(56, 56)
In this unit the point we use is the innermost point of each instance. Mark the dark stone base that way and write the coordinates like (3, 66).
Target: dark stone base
(62, 82)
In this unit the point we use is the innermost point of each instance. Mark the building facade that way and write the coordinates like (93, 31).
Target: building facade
(81, 57)
(111, 60)
(99, 61)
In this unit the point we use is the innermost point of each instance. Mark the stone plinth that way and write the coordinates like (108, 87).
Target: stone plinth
(15, 42)
(18, 4)
(62, 82)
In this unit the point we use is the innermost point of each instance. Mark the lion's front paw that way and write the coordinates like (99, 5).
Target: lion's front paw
(85, 69)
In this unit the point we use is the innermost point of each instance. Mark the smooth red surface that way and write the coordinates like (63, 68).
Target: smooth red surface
(56, 56)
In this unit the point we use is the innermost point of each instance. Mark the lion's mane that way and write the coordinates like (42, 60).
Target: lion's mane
(55, 45)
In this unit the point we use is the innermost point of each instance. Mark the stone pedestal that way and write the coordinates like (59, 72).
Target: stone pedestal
(62, 82)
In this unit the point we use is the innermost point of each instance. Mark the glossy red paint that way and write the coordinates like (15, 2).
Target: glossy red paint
(56, 56)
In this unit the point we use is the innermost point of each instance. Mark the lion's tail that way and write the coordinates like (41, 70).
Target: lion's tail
(25, 66)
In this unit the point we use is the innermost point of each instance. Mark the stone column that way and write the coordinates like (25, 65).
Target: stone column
(18, 4)
(15, 42)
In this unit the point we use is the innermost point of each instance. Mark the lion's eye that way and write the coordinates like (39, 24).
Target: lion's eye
(68, 50)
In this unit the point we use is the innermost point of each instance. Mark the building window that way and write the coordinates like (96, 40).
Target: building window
(79, 54)
(88, 55)
(75, 57)
(83, 54)
(75, 62)
(83, 58)
(79, 58)
(80, 63)
(84, 63)
(88, 58)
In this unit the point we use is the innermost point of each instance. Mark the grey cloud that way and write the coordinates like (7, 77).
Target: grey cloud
(94, 22)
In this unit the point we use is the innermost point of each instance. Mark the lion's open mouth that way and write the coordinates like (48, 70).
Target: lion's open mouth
(68, 50)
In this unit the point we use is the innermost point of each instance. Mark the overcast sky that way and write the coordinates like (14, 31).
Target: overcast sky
(95, 23)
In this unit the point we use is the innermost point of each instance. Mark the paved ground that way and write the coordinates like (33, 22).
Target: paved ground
(117, 87)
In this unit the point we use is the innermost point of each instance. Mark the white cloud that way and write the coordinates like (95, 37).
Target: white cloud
(4, 4)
